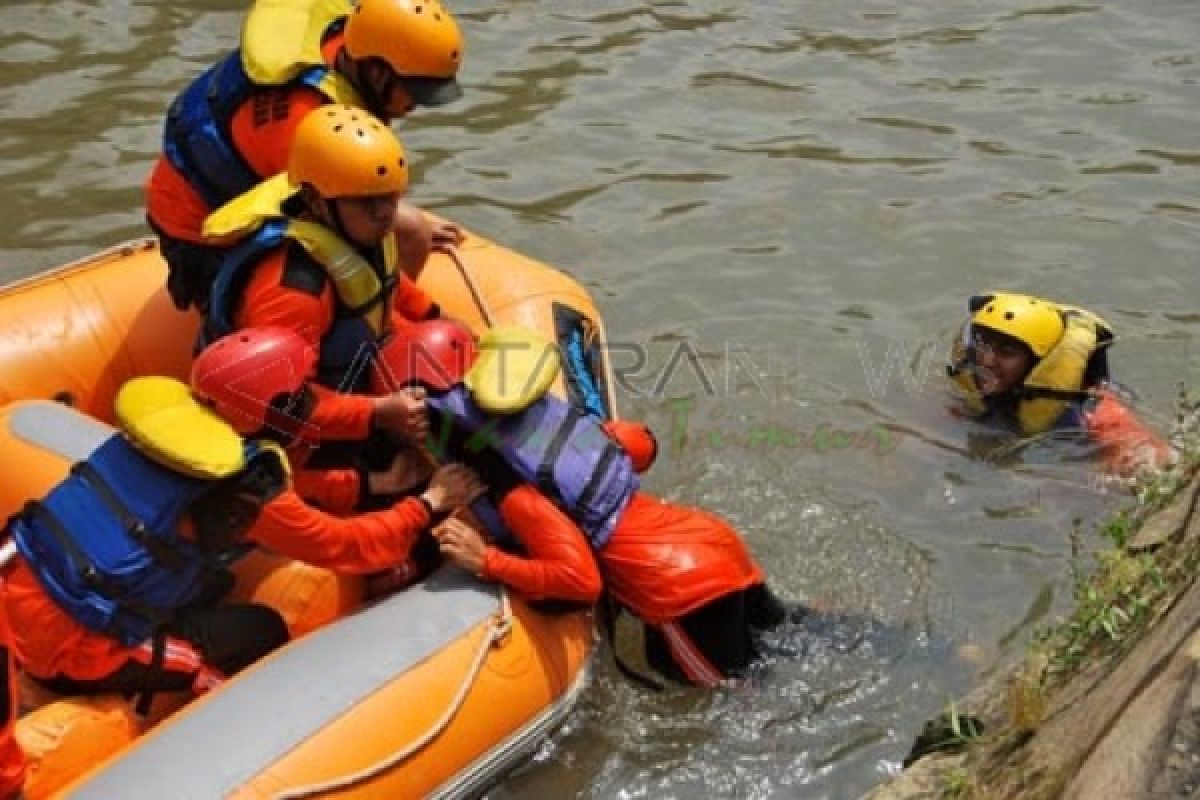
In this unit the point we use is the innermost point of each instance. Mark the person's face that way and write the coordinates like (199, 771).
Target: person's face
(367, 220)
(1001, 363)
(386, 85)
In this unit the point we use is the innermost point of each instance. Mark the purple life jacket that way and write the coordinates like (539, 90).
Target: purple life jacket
(560, 450)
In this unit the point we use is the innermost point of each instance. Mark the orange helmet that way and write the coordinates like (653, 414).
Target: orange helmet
(418, 39)
(347, 152)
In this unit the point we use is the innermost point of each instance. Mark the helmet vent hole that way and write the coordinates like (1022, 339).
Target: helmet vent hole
(338, 128)
(400, 162)
(437, 17)
(454, 55)
(418, 9)
(1009, 315)
(381, 170)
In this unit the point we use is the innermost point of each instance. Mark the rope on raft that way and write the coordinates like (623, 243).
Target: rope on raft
(498, 628)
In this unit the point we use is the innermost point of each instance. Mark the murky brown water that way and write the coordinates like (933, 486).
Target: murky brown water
(806, 190)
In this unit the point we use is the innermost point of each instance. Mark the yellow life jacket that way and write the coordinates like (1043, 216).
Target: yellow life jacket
(1054, 382)
(162, 419)
(260, 212)
(516, 366)
(282, 38)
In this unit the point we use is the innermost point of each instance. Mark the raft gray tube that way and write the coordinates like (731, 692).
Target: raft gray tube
(267, 712)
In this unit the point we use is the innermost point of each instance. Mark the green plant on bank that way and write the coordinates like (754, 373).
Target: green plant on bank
(964, 733)
(1115, 603)
(956, 782)
(1111, 607)
(1152, 490)
(1119, 528)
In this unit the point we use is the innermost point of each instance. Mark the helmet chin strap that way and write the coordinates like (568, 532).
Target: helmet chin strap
(375, 100)
(335, 214)
(329, 210)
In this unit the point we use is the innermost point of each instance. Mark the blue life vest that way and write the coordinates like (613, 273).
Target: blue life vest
(198, 137)
(350, 344)
(563, 452)
(105, 543)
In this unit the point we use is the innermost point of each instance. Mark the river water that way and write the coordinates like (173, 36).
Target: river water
(781, 208)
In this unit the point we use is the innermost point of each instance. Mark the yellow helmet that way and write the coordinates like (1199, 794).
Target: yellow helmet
(347, 152)
(1036, 322)
(418, 39)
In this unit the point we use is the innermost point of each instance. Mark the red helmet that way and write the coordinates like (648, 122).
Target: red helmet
(254, 378)
(434, 354)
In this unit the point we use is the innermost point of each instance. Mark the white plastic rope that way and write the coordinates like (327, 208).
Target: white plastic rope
(498, 627)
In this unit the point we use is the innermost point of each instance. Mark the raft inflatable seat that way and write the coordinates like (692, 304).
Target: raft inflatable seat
(434, 691)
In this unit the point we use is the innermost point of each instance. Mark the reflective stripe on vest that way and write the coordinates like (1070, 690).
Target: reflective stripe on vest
(364, 298)
(564, 453)
(105, 544)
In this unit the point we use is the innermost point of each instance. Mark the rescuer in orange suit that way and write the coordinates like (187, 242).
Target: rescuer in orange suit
(1035, 366)
(683, 572)
(189, 475)
(233, 126)
(318, 255)
(12, 759)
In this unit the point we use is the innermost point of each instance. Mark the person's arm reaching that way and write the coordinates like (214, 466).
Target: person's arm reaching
(558, 565)
(367, 542)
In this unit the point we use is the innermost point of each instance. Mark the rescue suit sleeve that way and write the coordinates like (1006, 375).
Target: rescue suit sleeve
(412, 302)
(636, 439)
(336, 491)
(265, 124)
(362, 543)
(172, 205)
(12, 759)
(1126, 443)
(266, 301)
(559, 564)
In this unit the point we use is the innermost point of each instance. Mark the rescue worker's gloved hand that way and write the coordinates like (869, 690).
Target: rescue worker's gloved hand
(451, 487)
(403, 413)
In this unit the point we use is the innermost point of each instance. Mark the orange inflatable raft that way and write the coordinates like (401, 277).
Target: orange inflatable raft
(434, 691)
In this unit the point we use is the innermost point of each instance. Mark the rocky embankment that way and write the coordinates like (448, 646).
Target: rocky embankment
(1108, 704)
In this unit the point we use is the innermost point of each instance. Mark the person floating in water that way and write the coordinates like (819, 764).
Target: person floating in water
(1035, 366)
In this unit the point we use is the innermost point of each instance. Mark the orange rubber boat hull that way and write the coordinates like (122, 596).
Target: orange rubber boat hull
(75, 334)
